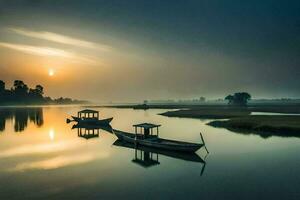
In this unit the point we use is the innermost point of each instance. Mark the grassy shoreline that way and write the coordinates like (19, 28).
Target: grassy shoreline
(240, 120)
(208, 113)
(263, 125)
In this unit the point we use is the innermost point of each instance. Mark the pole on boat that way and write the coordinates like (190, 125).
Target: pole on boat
(203, 142)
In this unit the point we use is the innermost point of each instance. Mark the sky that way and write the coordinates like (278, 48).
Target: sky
(125, 51)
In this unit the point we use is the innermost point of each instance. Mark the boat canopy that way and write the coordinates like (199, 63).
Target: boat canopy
(147, 125)
(87, 113)
(146, 129)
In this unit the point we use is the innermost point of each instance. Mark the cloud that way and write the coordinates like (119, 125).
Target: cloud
(63, 39)
(36, 50)
(48, 51)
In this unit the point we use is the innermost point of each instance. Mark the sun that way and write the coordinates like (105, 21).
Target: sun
(51, 72)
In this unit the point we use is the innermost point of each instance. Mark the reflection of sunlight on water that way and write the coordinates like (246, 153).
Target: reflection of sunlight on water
(51, 134)
(60, 161)
(40, 148)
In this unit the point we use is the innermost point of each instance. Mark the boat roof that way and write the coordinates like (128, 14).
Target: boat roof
(88, 111)
(147, 125)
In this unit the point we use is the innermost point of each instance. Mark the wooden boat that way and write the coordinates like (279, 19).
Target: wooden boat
(89, 117)
(155, 142)
(90, 121)
(150, 140)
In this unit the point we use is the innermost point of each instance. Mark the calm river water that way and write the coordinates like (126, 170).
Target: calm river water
(41, 157)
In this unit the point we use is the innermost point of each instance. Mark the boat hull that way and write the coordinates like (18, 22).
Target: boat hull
(96, 122)
(159, 143)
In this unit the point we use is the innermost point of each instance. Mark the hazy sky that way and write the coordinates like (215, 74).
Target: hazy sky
(134, 50)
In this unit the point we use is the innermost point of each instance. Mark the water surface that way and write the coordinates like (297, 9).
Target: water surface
(41, 157)
(273, 113)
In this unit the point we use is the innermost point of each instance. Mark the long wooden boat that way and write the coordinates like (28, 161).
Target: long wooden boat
(89, 117)
(156, 142)
(92, 121)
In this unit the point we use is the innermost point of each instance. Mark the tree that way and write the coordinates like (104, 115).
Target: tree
(202, 99)
(2, 86)
(39, 90)
(36, 95)
(2, 91)
(20, 88)
(229, 98)
(239, 98)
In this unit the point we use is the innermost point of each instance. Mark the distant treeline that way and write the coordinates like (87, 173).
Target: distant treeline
(222, 101)
(21, 94)
(180, 101)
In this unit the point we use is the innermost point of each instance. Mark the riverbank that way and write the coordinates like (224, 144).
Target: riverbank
(240, 119)
(225, 112)
(263, 125)
(219, 112)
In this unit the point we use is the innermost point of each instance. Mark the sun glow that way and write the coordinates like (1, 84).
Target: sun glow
(51, 72)
(51, 134)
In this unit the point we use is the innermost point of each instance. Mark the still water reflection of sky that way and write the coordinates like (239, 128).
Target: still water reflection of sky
(42, 157)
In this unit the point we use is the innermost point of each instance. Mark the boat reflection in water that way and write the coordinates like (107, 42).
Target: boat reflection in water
(90, 131)
(143, 156)
(87, 133)
(148, 157)
(20, 117)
